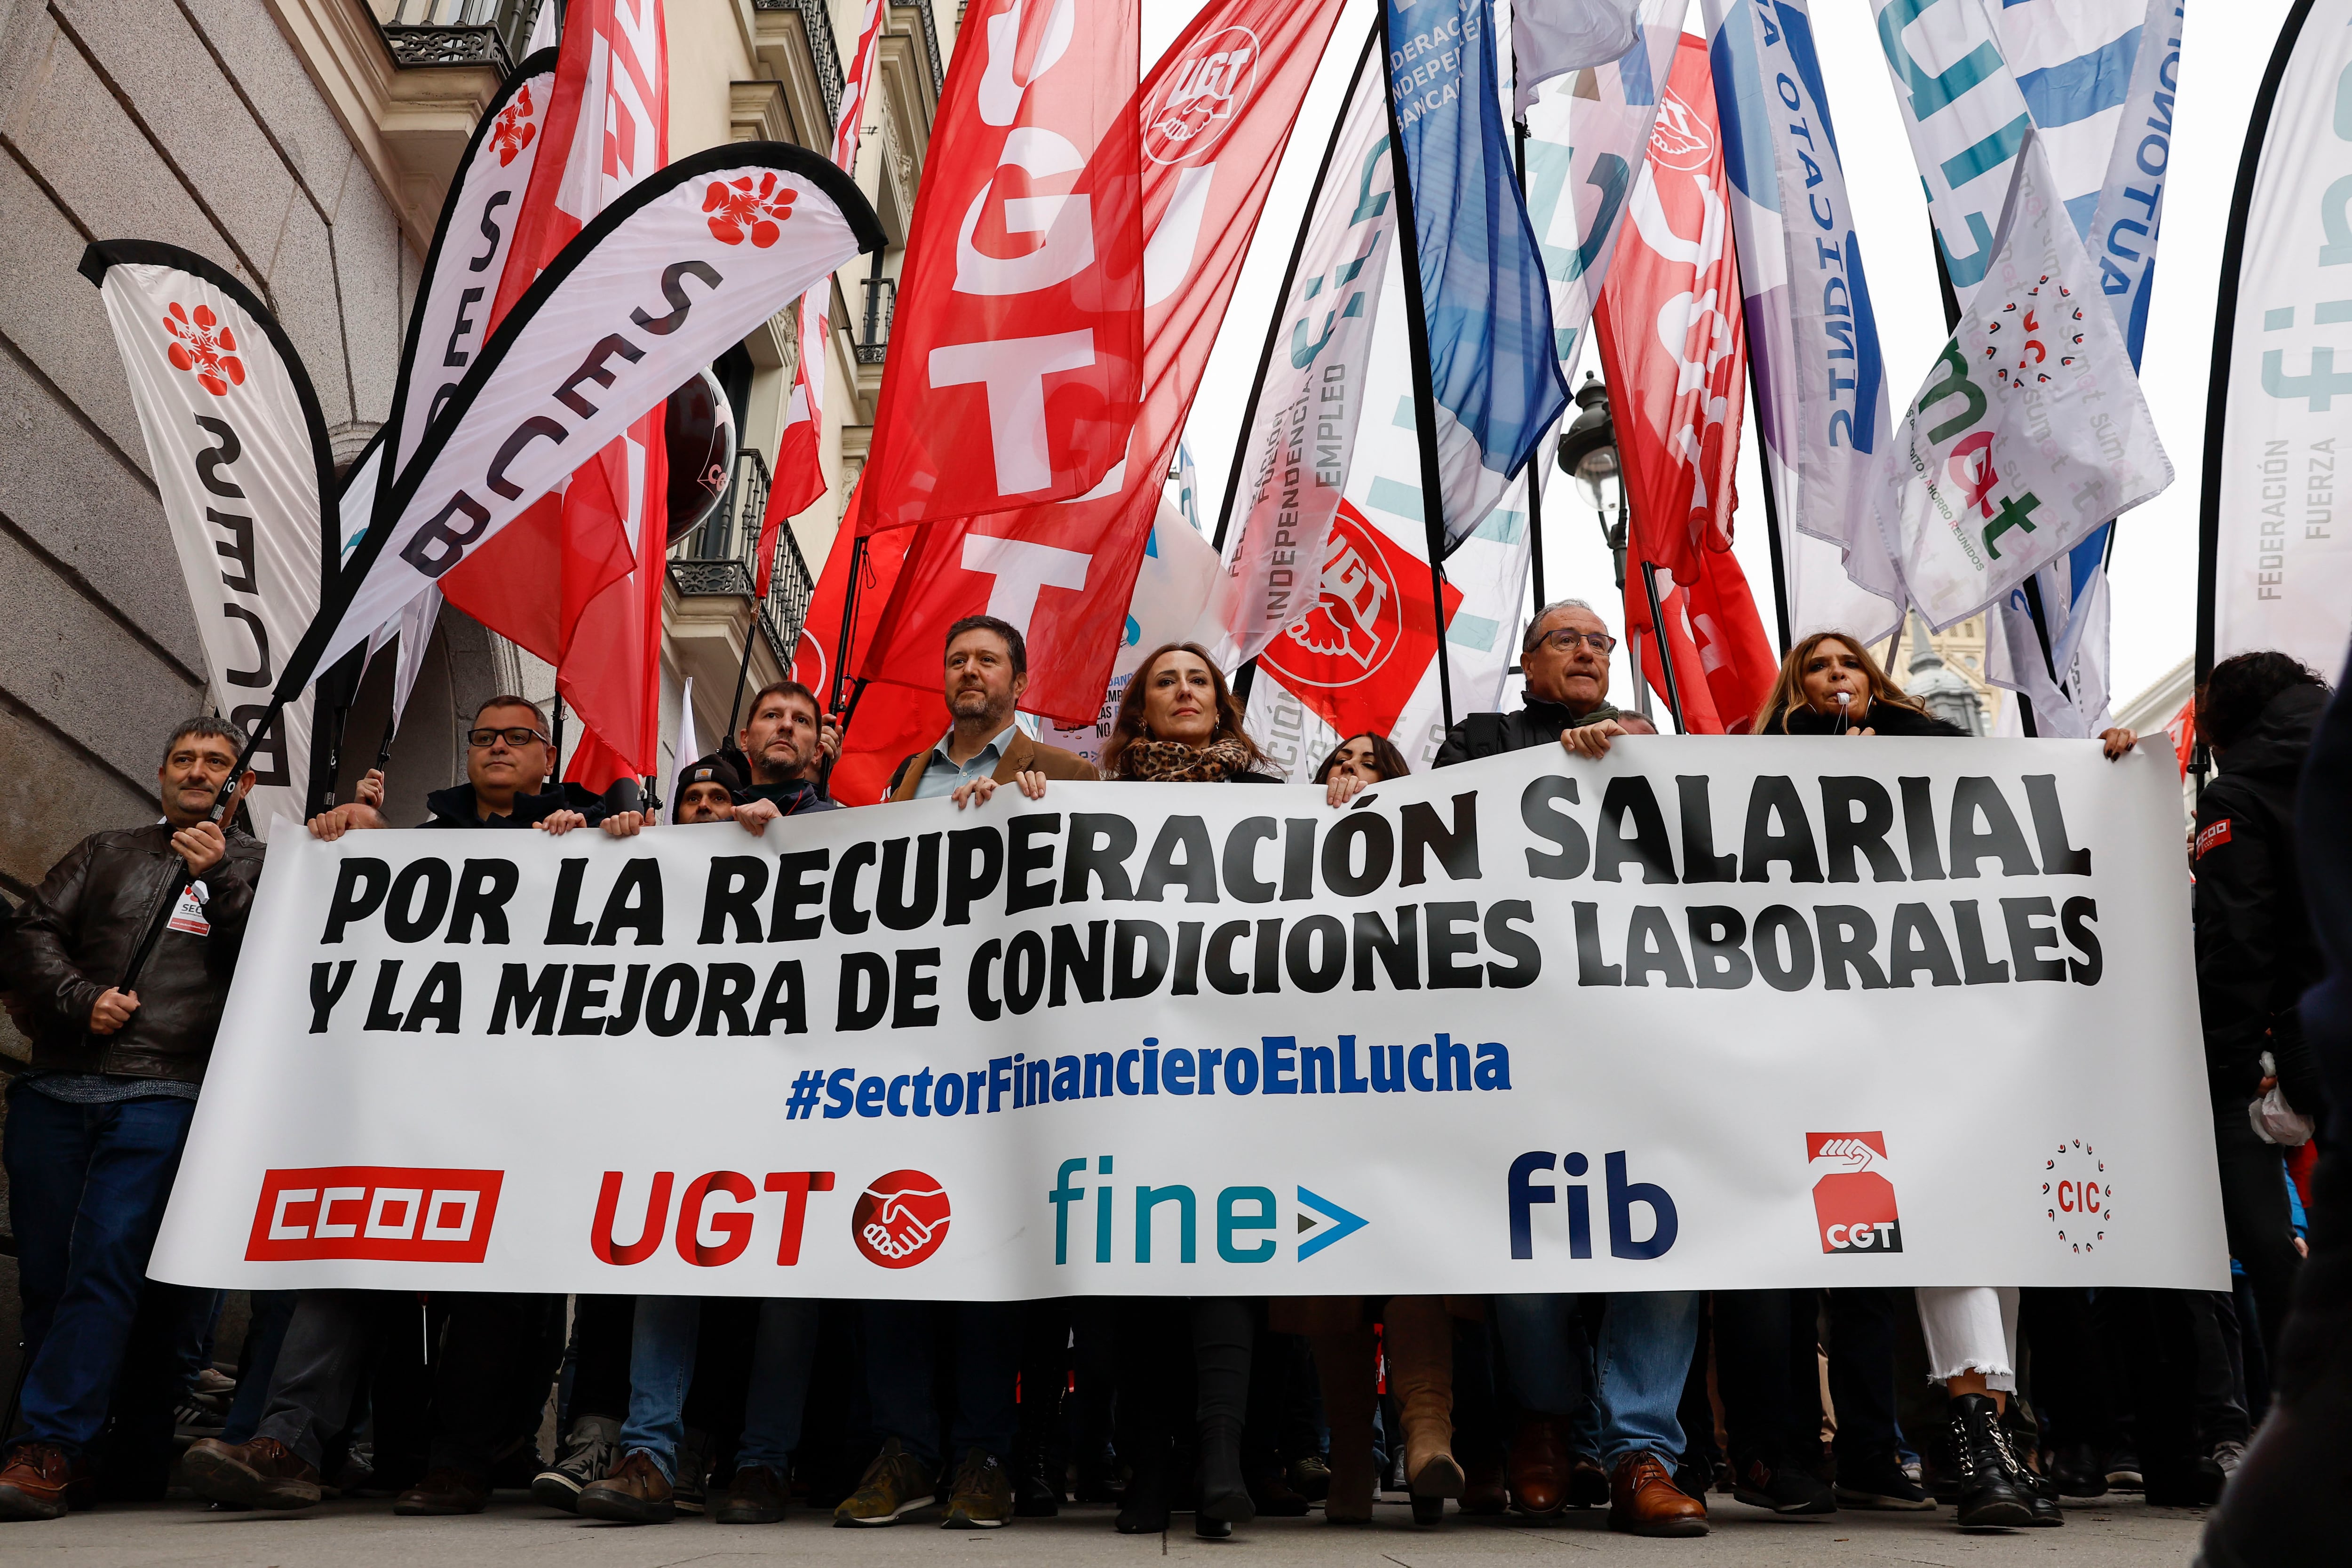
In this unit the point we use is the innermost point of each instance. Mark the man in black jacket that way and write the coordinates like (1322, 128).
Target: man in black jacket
(121, 1032)
(496, 1350)
(2255, 955)
(1566, 657)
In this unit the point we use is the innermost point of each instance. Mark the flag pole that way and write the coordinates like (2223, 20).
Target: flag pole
(1282, 300)
(1425, 394)
(1535, 487)
(1772, 515)
(2225, 322)
(1666, 647)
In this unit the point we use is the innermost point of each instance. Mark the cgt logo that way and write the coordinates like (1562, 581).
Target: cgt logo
(396, 1214)
(1853, 1205)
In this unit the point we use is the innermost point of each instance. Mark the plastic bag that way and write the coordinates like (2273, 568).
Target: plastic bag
(2276, 1121)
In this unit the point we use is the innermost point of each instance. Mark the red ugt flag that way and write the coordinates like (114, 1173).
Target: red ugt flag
(1213, 119)
(1674, 343)
(1016, 355)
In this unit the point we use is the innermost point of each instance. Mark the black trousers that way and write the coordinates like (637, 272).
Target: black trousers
(2254, 1212)
(492, 1361)
(1768, 1373)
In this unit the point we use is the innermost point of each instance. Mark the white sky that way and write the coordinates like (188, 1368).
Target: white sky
(2155, 562)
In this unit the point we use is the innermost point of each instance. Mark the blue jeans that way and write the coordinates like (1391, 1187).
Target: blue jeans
(898, 1355)
(87, 1186)
(1640, 1364)
(661, 1367)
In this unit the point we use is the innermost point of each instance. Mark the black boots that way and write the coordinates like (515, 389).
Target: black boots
(1994, 1494)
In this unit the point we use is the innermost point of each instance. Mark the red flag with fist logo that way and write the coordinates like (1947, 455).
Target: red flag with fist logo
(1359, 653)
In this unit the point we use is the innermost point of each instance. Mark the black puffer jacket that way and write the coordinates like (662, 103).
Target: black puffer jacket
(2255, 955)
(76, 935)
(1882, 719)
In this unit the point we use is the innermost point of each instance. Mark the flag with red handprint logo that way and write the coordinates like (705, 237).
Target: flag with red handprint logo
(241, 460)
(1673, 341)
(1370, 633)
(2031, 431)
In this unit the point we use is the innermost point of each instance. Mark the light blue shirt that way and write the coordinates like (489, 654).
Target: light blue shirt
(942, 777)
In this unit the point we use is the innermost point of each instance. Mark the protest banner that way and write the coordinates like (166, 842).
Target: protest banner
(1712, 1013)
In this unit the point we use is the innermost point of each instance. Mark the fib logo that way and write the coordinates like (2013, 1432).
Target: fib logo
(900, 1220)
(1853, 1204)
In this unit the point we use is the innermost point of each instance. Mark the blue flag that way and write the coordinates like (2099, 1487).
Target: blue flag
(1488, 304)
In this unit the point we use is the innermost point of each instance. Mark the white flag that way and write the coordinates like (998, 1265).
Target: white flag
(241, 459)
(2031, 430)
(688, 750)
(1553, 38)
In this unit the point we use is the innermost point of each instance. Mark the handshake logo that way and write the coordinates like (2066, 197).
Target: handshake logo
(900, 1220)
(1853, 1204)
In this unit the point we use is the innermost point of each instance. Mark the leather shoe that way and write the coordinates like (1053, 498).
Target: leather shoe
(1537, 1466)
(636, 1492)
(1644, 1500)
(444, 1491)
(1483, 1488)
(757, 1495)
(264, 1473)
(33, 1483)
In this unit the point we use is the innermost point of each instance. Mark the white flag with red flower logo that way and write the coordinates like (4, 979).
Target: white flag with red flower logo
(241, 460)
(2031, 430)
(672, 274)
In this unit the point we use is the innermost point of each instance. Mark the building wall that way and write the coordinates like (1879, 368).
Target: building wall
(192, 121)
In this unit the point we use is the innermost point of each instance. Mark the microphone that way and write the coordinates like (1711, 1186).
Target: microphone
(1845, 703)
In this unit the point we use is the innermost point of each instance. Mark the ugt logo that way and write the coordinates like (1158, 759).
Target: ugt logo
(900, 1220)
(1202, 96)
(1853, 1205)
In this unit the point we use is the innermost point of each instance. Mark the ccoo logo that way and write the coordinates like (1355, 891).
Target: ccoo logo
(900, 1220)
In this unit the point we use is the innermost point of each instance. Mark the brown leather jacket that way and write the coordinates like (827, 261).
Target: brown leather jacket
(76, 933)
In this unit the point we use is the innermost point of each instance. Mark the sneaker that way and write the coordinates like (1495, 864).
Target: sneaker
(1782, 1488)
(894, 1486)
(264, 1473)
(1990, 1497)
(2227, 1456)
(1310, 1477)
(690, 1487)
(1036, 1485)
(33, 1483)
(2123, 1472)
(1881, 1483)
(444, 1491)
(587, 1456)
(757, 1495)
(1588, 1483)
(636, 1492)
(982, 1498)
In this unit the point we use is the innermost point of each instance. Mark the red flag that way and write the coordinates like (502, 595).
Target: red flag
(800, 475)
(1359, 654)
(1724, 662)
(886, 723)
(576, 571)
(2182, 734)
(1016, 352)
(1214, 117)
(1673, 342)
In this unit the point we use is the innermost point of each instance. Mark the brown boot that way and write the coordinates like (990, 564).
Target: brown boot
(1644, 1500)
(636, 1492)
(264, 1473)
(1419, 1339)
(1343, 1362)
(1537, 1467)
(32, 1484)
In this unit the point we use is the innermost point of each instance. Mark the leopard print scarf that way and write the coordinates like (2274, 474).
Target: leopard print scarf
(1172, 762)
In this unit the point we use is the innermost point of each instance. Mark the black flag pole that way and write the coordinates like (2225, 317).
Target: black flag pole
(2225, 322)
(1424, 395)
(1535, 483)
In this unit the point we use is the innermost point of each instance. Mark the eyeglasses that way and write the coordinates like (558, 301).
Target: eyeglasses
(1566, 638)
(517, 737)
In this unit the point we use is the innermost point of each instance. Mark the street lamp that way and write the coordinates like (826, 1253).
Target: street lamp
(1588, 451)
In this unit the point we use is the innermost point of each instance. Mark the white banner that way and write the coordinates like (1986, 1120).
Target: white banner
(2282, 562)
(665, 279)
(1310, 398)
(1716, 1013)
(242, 462)
(2031, 430)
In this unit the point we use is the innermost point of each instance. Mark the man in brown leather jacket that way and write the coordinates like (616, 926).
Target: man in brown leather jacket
(119, 1044)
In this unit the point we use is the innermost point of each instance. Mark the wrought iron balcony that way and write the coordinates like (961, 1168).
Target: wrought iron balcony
(816, 21)
(460, 32)
(881, 304)
(721, 557)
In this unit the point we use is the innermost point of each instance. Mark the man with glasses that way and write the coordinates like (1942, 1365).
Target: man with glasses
(1597, 1425)
(473, 1409)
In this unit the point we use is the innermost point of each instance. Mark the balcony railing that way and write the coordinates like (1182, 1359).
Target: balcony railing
(881, 304)
(817, 22)
(460, 32)
(721, 557)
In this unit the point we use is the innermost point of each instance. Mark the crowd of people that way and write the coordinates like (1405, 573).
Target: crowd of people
(1994, 1402)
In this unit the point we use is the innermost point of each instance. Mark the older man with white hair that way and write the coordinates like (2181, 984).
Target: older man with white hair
(1565, 658)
